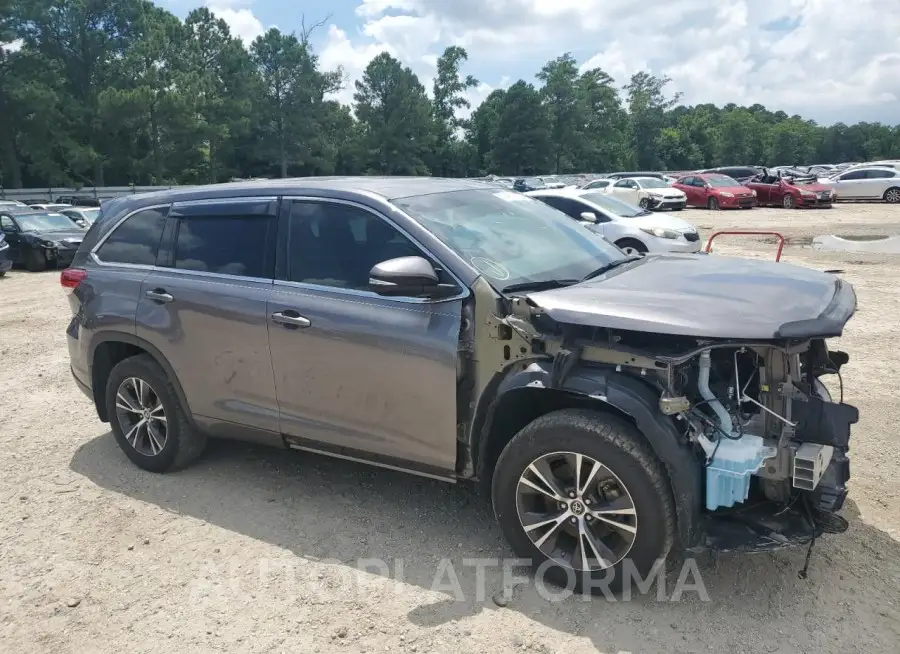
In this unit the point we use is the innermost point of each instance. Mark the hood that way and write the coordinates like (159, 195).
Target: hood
(657, 219)
(74, 235)
(811, 186)
(669, 192)
(707, 296)
(735, 190)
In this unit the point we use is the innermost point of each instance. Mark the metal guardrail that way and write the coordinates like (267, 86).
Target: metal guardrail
(96, 192)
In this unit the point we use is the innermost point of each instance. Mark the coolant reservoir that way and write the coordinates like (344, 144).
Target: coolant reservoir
(728, 474)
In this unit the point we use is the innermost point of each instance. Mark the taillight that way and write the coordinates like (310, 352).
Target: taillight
(72, 277)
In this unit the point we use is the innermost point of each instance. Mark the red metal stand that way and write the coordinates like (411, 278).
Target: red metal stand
(778, 235)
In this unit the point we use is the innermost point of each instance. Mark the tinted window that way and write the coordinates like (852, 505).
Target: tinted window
(7, 224)
(855, 174)
(567, 206)
(335, 244)
(136, 240)
(228, 244)
(879, 174)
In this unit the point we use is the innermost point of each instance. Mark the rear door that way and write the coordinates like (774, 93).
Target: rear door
(851, 185)
(357, 373)
(876, 183)
(204, 307)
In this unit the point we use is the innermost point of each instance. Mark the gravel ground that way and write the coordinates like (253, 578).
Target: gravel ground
(258, 550)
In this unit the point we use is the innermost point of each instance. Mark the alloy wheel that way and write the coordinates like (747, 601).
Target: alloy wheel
(788, 202)
(892, 195)
(141, 416)
(576, 511)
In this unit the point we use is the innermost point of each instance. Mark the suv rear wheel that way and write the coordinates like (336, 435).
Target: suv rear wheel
(147, 418)
(580, 494)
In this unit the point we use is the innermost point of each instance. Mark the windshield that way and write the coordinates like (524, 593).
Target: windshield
(43, 222)
(613, 205)
(90, 215)
(535, 182)
(550, 179)
(652, 183)
(511, 238)
(722, 181)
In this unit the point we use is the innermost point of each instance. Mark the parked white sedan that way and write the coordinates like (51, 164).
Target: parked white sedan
(875, 183)
(648, 193)
(633, 229)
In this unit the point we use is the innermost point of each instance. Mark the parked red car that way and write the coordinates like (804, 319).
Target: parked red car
(790, 191)
(715, 191)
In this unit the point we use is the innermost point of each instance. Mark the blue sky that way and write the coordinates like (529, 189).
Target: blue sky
(828, 60)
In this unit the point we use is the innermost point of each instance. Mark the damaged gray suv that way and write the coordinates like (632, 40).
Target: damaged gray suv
(620, 409)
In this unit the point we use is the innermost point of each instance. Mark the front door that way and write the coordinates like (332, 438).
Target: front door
(204, 308)
(626, 190)
(357, 373)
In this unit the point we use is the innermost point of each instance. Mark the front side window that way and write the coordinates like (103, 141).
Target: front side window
(625, 183)
(856, 174)
(224, 244)
(7, 224)
(511, 238)
(336, 244)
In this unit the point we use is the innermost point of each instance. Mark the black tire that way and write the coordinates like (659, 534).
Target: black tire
(633, 244)
(183, 443)
(788, 202)
(35, 261)
(644, 203)
(712, 204)
(892, 195)
(620, 448)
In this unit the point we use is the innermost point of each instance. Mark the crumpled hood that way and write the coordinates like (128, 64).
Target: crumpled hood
(75, 234)
(707, 296)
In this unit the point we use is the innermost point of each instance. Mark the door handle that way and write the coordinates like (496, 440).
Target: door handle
(159, 295)
(290, 320)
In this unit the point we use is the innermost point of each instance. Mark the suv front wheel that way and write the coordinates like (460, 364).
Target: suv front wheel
(581, 495)
(147, 418)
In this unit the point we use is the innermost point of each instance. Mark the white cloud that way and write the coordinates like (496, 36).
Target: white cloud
(841, 60)
(240, 18)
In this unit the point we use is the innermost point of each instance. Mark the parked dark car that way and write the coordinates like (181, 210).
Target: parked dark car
(40, 239)
(616, 407)
(524, 184)
(6, 261)
(80, 200)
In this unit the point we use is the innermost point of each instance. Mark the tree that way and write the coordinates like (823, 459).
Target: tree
(522, 139)
(647, 106)
(395, 117)
(448, 90)
(602, 145)
(567, 120)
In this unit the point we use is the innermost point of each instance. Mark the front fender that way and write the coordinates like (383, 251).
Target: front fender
(639, 401)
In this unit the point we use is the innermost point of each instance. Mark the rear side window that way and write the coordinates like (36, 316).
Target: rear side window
(224, 244)
(135, 241)
(879, 174)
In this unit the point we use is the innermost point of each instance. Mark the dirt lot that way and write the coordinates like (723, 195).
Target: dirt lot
(257, 550)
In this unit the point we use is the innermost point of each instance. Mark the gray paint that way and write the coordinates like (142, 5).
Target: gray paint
(695, 295)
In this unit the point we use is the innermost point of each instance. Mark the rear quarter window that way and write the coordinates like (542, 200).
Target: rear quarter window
(136, 240)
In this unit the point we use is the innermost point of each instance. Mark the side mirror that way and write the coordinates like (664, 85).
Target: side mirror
(408, 277)
(588, 216)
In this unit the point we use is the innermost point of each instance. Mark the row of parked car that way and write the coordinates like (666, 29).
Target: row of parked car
(735, 186)
(41, 234)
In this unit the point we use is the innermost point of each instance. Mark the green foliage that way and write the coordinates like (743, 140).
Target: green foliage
(121, 91)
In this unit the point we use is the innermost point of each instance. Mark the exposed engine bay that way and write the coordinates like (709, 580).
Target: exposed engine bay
(763, 412)
(763, 425)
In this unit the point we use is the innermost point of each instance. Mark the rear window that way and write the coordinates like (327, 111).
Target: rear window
(228, 245)
(135, 241)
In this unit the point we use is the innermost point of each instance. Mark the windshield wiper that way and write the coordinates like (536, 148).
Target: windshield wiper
(610, 266)
(540, 285)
